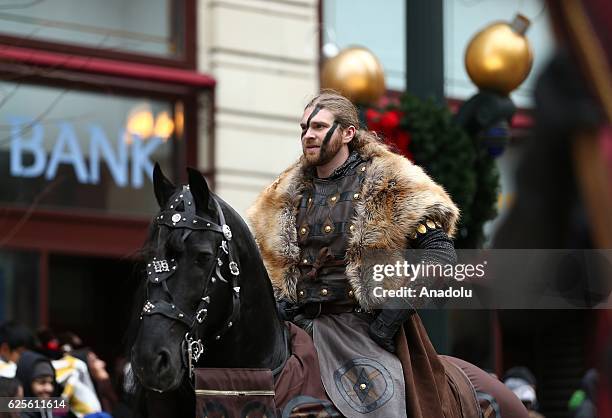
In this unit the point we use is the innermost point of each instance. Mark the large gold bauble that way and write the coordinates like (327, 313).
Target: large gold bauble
(499, 57)
(356, 73)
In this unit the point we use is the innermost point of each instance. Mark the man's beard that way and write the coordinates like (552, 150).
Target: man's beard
(327, 152)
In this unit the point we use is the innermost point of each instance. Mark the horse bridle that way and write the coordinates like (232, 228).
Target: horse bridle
(181, 214)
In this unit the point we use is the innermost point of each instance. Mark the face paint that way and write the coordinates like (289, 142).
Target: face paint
(330, 145)
(312, 115)
(329, 134)
(329, 149)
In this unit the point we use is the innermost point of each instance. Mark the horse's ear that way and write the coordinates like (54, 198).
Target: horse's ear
(200, 191)
(162, 186)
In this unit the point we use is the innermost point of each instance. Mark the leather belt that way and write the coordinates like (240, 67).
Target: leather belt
(316, 309)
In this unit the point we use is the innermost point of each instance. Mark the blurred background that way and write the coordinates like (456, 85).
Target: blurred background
(93, 93)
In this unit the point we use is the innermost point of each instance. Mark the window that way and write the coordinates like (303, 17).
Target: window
(63, 148)
(153, 28)
(378, 27)
(19, 286)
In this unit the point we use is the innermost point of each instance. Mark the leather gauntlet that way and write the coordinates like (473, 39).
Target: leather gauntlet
(287, 310)
(386, 325)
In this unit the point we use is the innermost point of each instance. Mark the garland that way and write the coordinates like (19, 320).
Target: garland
(425, 133)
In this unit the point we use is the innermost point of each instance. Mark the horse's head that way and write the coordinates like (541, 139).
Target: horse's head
(191, 284)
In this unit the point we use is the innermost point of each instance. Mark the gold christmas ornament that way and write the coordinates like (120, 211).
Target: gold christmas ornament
(356, 73)
(499, 57)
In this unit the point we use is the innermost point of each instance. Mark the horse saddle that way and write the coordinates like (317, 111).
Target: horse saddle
(297, 390)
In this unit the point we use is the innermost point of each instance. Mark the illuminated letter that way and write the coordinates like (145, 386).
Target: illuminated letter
(141, 151)
(117, 164)
(67, 139)
(34, 145)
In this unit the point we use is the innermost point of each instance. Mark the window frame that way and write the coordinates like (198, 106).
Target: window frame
(90, 232)
(186, 60)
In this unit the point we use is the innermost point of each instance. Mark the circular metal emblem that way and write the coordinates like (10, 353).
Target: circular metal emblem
(176, 217)
(234, 268)
(365, 384)
(214, 409)
(256, 409)
(227, 232)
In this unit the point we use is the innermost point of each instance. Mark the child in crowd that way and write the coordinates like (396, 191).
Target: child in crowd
(37, 374)
(14, 339)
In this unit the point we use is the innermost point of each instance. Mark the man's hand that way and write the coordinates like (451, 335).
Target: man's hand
(287, 310)
(382, 336)
(386, 325)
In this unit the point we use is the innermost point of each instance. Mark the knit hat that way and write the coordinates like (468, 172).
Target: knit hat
(42, 368)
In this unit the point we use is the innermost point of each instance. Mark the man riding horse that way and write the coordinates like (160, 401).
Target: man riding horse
(346, 196)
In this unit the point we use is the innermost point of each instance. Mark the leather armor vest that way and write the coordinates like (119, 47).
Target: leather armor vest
(323, 227)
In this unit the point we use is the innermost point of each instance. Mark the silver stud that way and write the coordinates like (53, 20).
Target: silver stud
(157, 279)
(207, 224)
(189, 203)
(218, 337)
(173, 267)
(171, 206)
(173, 307)
(149, 272)
(141, 318)
(161, 216)
(229, 325)
(213, 279)
(176, 217)
(184, 219)
(176, 200)
(195, 222)
(181, 315)
(180, 195)
(237, 289)
(206, 299)
(148, 265)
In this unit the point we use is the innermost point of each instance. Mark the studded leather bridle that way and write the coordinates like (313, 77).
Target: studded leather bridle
(181, 214)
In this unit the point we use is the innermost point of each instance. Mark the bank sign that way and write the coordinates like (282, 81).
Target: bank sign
(128, 157)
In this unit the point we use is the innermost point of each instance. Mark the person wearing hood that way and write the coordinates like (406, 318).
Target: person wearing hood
(36, 373)
(583, 400)
(71, 373)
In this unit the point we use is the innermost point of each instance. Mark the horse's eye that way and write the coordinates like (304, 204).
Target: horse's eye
(203, 259)
(171, 254)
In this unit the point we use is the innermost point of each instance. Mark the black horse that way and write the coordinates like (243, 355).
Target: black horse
(206, 289)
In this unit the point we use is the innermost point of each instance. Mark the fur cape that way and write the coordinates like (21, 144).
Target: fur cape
(396, 196)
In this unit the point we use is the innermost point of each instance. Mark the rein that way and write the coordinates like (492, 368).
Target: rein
(181, 214)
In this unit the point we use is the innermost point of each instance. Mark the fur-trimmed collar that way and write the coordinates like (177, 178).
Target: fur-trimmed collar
(396, 196)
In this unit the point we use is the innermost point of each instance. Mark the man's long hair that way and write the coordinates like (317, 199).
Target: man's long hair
(346, 114)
